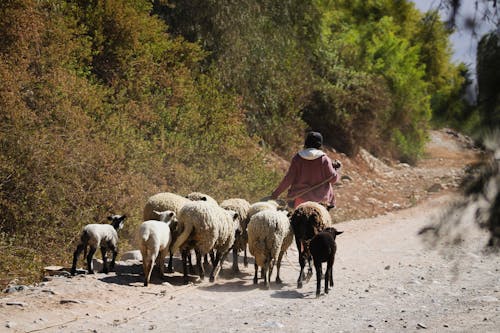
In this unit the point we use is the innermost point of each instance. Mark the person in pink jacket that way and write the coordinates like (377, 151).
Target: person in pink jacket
(310, 175)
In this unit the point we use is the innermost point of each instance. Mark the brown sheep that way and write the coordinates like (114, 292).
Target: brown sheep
(308, 219)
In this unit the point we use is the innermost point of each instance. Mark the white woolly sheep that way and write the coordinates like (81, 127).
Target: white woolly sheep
(241, 207)
(203, 227)
(269, 236)
(322, 248)
(103, 236)
(308, 219)
(155, 238)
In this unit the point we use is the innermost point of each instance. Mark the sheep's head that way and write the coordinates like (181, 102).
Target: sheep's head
(165, 216)
(328, 206)
(198, 196)
(235, 217)
(117, 221)
(333, 231)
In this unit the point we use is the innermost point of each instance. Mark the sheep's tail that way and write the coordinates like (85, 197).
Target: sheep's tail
(145, 234)
(182, 238)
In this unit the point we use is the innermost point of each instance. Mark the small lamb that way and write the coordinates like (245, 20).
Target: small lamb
(102, 236)
(240, 206)
(322, 248)
(155, 238)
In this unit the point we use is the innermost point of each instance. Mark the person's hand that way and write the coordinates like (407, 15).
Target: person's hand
(336, 164)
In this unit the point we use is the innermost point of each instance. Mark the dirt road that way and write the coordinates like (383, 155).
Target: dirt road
(386, 280)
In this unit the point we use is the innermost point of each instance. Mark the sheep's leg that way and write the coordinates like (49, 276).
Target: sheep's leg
(236, 269)
(212, 257)
(161, 263)
(147, 263)
(184, 254)
(328, 275)
(319, 273)
(245, 257)
(310, 270)
(265, 268)
(76, 254)
(104, 260)
(170, 267)
(271, 266)
(331, 270)
(255, 278)
(217, 264)
(278, 266)
(201, 269)
(302, 262)
(114, 252)
(90, 255)
(191, 266)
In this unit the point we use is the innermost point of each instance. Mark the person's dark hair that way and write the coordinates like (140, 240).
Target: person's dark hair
(313, 140)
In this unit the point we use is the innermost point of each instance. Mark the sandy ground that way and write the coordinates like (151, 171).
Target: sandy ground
(386, 279)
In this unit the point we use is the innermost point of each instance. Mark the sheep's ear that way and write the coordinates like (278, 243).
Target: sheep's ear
(203, 198)
(236, 216)
(338, 232)
(110, 218)
(172, 214)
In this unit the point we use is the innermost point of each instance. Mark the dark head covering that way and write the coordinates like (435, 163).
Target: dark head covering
(313, 140)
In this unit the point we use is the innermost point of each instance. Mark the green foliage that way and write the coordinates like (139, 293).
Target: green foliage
(260, 49)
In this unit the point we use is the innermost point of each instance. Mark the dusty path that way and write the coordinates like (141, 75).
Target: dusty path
(386, 280)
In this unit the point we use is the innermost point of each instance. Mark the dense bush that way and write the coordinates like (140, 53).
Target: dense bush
(101, 108)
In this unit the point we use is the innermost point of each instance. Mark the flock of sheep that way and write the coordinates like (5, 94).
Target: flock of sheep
(177, 224)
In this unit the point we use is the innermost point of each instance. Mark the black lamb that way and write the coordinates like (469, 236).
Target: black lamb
(322, 248)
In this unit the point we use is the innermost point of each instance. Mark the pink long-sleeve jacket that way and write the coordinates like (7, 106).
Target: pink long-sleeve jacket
(308, 168)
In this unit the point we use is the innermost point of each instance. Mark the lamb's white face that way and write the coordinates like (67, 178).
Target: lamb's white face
(166, 215)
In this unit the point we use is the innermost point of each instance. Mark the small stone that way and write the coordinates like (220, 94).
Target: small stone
(420, 325)
(21, 304)
(388, 267)
(435, 188)
(66, 301)
(10, 324)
